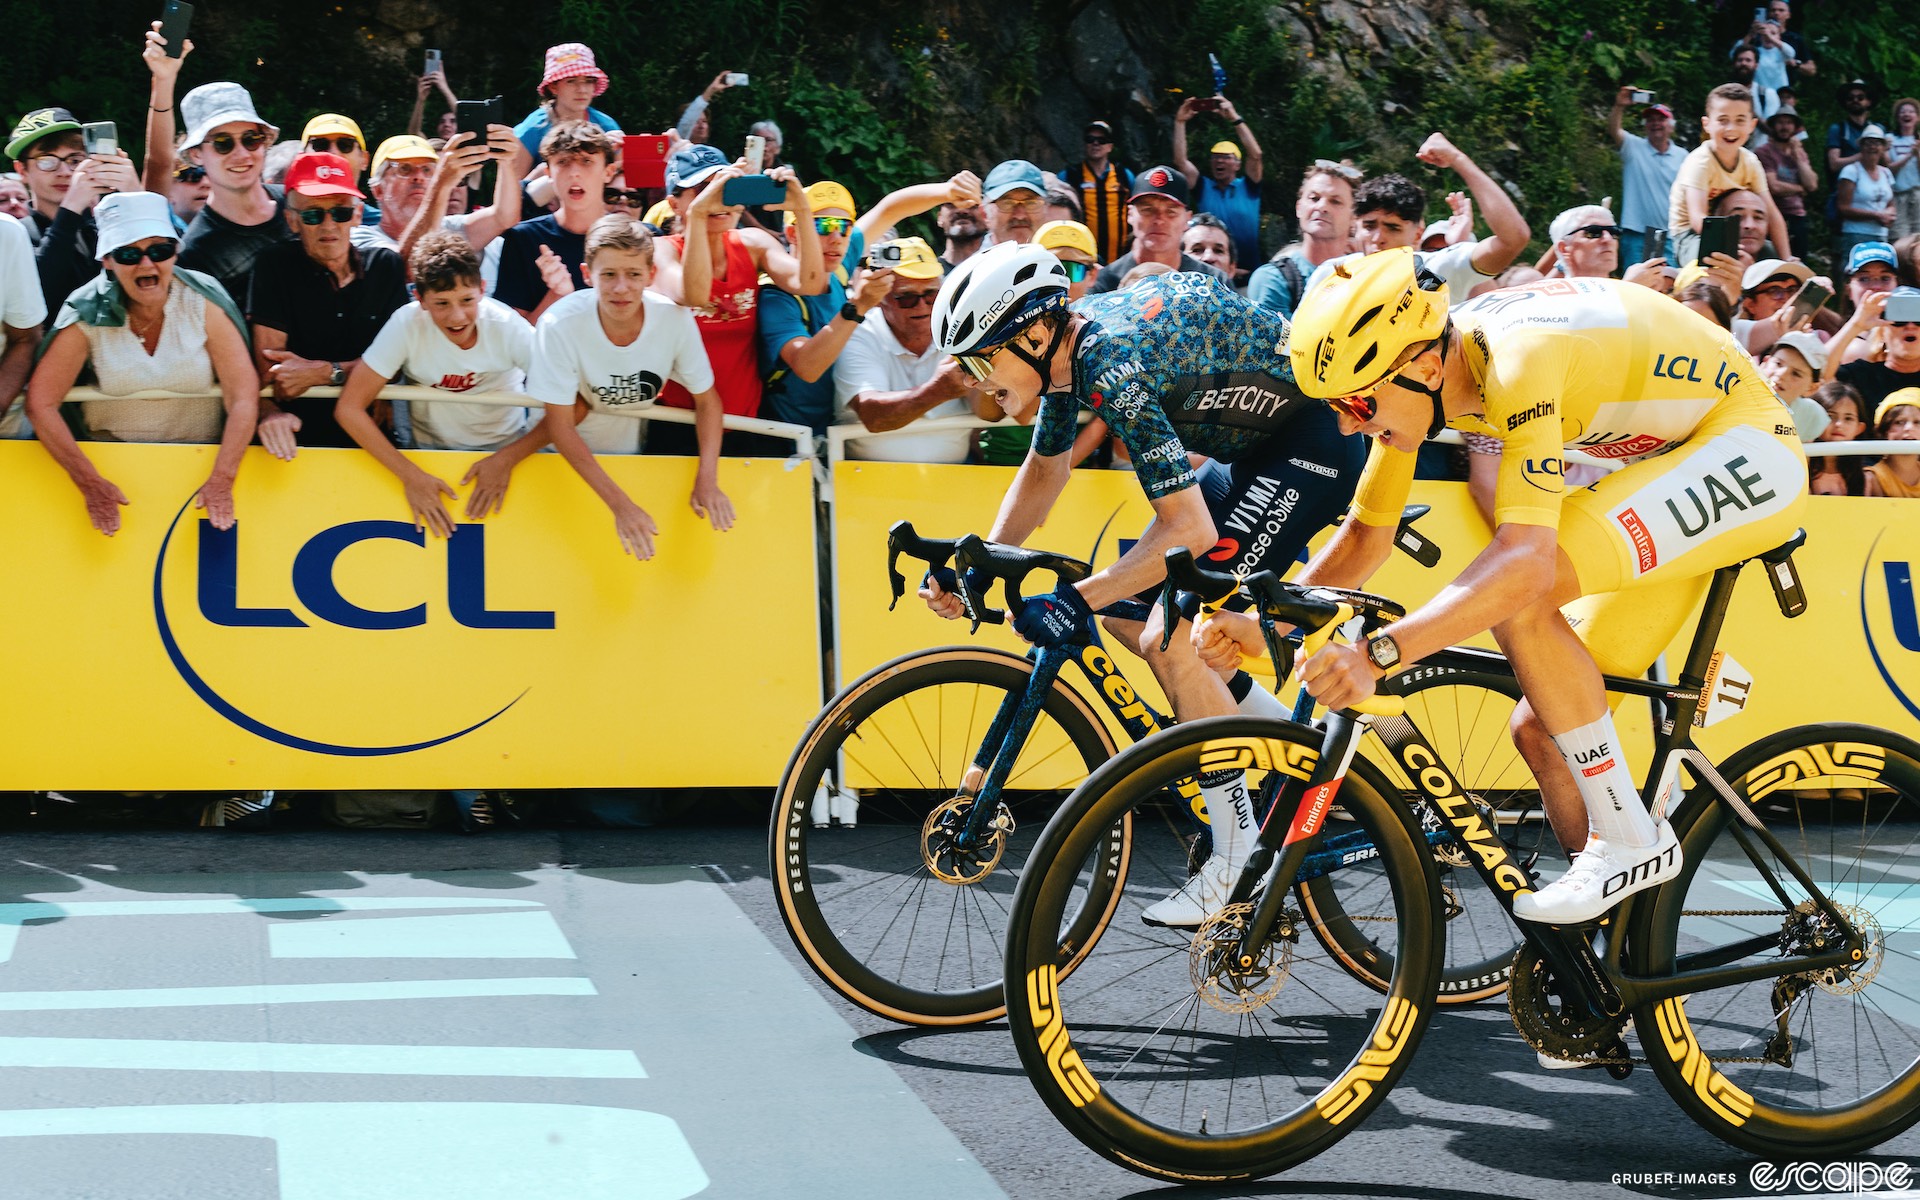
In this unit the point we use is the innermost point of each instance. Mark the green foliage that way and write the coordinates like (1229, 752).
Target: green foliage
(848, 139)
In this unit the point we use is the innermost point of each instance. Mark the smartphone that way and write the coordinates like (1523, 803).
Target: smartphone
(1642, 96)
(1901, 310)
(176, 17)
(1656, 243)
(100, 137)
(756, 154)
(643, 160)
(433, 62)
(751, 190)
(1759, 14)
(473, 116)
(1810, 299)
(1718, 235)
(1206, 104)
(736, 79)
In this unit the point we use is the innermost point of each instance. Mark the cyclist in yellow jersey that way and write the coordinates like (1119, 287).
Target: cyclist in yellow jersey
(1715, 473)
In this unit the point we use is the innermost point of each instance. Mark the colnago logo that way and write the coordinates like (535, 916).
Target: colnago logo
(1464, 819)
(1516, 420)
(216, 576)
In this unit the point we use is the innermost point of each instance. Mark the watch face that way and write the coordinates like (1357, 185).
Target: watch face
(1383, 651)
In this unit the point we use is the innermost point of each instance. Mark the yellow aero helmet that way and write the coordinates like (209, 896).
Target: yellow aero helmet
(1351, 331)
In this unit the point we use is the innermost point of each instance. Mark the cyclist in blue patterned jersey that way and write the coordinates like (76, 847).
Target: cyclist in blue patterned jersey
(1177, 366)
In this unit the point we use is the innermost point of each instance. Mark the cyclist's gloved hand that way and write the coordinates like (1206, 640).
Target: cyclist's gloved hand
(1059, 617)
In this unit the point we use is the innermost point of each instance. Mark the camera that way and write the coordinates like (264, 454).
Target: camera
(1902, 310)
(883, 256)
(736, 79)
(1642, 96)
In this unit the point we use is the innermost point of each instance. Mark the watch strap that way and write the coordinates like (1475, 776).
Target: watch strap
(849, 312)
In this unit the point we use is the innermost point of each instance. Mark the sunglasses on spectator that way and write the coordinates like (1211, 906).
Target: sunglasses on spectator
(1099, 141)
(223, 143)
(832, 226)
(49, 163)
(628, 196)
(159, 252)
(1076, 271)
(912, 299)
(189, 173)
(1010, 204)
(341, 214)
(339, 145)
(1596, 232)
(1350, 174)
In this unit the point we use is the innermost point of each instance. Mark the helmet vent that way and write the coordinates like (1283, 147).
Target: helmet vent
(1371, 352)
(1025, 273)
(1366, 319)
(961, 332)
(959, 285)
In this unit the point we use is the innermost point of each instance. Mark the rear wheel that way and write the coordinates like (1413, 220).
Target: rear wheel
(1163, 1051)
(1823, 1062)
(871, 886)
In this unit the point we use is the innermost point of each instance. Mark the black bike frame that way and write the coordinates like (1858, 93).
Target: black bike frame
(1600, 983)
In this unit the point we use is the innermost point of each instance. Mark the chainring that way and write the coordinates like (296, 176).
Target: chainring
(1540, 1013)
(945, 860)
(1220, 980)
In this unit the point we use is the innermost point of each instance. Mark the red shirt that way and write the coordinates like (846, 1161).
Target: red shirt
(730, 330)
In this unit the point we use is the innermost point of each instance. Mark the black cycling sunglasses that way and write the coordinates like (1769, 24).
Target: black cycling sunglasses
(341, 213)
(1596, 232)
(340, 145)
(159, 252)
(189, 173)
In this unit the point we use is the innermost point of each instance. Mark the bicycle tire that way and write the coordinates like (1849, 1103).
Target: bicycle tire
(1127, 1052)
(861, 904)
(1464, 717)
(1854, 1081)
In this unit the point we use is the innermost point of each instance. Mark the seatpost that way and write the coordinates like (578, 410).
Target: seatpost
(1707, 634)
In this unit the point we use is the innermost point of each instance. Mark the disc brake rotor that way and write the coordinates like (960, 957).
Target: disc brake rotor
(1846, 981)
(939, 836)
(1220, 979)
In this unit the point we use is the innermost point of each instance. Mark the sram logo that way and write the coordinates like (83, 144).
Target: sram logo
(334, 648)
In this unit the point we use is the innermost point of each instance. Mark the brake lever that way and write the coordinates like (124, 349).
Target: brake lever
(1279, 649)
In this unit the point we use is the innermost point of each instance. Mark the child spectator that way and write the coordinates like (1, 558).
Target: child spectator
(1897, 419)
(715, 269)
(568, 87)
(144, 324)
(1791, 369)
(1720, 163)
(1838, 475)
(602, 354)
(541, 259)
(455, 340)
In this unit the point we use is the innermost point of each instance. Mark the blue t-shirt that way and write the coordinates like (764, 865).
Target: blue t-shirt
(521, 285)
(1646, 181)
(784, 317)
(1238, 207)
(1177, 362)
(532, 129)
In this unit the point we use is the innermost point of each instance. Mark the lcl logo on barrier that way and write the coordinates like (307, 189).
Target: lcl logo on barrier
(216, 591)
(1896, 651)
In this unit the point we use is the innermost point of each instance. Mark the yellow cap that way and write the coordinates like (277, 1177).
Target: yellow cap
(917, 259)
(1067, 235)
(825, 194)
(1687, 276)
(403, 146)
(660, 215)
(1895, 400)
(333, 124)
(1225, 148)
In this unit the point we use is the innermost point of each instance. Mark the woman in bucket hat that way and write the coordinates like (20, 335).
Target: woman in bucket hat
(568, 87)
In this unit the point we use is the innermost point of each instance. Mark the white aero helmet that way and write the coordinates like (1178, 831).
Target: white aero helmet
(992, 296)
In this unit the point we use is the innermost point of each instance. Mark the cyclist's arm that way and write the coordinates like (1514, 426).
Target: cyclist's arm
(1036, 485)
(1362, 544)
(1179, 520)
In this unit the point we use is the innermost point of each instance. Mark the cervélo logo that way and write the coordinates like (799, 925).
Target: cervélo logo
(360, 651)
(1890, 618)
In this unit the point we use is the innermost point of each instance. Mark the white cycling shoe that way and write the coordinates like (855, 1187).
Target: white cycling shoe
(1199, 898)
(1601, 876)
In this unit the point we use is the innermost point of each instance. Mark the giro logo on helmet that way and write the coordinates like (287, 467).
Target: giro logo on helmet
(999, 306)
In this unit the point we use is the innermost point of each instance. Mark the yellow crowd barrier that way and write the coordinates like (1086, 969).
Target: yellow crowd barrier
(323, 643)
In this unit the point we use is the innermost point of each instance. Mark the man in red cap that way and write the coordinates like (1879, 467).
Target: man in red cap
(316, 305)
(1648, 167)
(1157, 211)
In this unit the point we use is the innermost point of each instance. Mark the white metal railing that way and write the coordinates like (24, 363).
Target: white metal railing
(799, 435)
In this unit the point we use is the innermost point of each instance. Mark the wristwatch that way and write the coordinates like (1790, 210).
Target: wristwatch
(338, 377)
(848, 312)
(1383, 651)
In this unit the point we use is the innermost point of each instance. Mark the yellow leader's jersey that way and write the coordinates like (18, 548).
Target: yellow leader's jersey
(1615, 369)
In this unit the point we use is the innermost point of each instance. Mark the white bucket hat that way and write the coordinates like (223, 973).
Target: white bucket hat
(211, 105)
(124, 218)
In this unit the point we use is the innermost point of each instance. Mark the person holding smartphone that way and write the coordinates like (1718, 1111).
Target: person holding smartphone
(65, 181)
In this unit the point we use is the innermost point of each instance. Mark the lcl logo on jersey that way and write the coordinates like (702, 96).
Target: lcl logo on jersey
(301, 657)
(1890, 618)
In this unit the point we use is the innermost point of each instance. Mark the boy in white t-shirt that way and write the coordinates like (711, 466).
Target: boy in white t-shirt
(453, 339)
(602, 354)
(1720, 163)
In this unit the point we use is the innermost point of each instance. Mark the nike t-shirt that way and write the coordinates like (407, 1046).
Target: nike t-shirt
(410, 344)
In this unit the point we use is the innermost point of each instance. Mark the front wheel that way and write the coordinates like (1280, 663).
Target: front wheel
(869, 884)
(1162, 1052)
(1815, 1063)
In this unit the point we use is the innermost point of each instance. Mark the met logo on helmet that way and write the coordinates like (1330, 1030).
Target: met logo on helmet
(1323, 357)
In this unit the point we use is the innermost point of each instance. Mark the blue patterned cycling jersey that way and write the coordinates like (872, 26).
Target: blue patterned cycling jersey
(1176, 363)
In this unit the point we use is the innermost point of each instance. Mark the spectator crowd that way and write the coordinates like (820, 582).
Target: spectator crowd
(235, 284)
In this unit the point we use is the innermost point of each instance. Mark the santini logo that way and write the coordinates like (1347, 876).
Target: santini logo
(216, 589)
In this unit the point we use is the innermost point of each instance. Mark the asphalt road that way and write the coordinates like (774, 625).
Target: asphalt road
(699, 1013)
